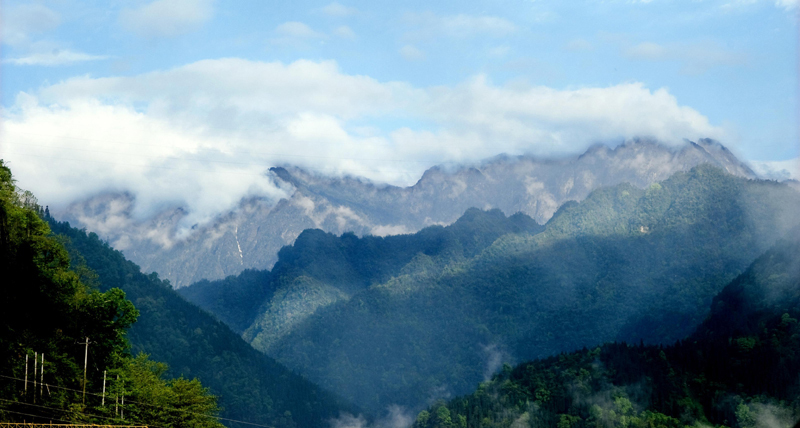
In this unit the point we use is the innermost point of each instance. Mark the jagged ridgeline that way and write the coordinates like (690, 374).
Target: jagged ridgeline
(251, 235)
(47, 312)
(321, 268)
(741, 368)
(399, 320)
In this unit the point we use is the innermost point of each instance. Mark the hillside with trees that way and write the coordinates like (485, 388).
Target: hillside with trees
(49, 309)
(624, 264)
(251, 386)
(739, 369)
(348, 264)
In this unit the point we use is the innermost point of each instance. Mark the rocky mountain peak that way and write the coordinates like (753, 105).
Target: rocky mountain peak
(251, 235)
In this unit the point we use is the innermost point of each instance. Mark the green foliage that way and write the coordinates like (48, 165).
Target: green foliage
(738, 369)
(235, 300)
(162, 402)
(424, 311)
(420, 314)
(349, 264)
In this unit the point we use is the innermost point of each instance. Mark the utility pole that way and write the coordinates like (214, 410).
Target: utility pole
(104, 389)
(35, 361)
(116, 397)
(41, 380)
(26, 374)
(85, 361)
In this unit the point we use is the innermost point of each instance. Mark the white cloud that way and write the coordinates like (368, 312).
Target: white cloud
(20, 26)
(54, 57)
(338, 10)
(297, 29)
(20, 22)
(344, 32)
(777, 170)
(525, 117)
(428, 25)
(410, 53)
(167, 18)
(200, 135)
(696, 58)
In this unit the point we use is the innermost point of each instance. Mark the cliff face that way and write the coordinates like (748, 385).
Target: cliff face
(251, 235)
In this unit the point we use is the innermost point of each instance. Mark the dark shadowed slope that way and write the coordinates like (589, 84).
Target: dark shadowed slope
(251, 386)
(339, 267)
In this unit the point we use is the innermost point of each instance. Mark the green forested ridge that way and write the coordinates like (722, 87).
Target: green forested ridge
(624, 264)
(348, 263)
(47, 310)
(250, 386)
(235, 299)
(741, 368)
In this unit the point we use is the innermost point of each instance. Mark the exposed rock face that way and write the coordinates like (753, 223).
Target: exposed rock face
(251, 235)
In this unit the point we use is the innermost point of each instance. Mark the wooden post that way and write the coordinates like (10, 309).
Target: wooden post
(35, 362)
(41, 383)
(85, 362)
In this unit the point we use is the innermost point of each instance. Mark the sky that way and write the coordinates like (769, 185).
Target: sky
(188, 102)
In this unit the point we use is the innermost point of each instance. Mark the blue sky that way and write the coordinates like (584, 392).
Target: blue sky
(175, 98)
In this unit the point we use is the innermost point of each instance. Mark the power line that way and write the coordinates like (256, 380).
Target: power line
(63, 410)
(36, 416)
(154, 405)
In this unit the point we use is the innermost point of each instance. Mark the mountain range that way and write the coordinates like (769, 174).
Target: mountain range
(404, 319)
(249, 236)
(698, 268)
(739, 368)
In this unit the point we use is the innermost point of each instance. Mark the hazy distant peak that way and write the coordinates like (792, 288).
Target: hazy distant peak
(595, 150)
(725, 157)
(281, 173)
(301, 178)
(250, 235)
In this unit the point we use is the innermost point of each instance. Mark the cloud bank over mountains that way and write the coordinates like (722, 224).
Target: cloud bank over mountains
(201, 135)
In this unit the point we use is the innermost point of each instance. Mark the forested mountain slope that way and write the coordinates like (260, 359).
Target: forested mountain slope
(626, 263)
(250, 386)
(739, 369)
(250, 235)
(322, 264)
(50, 313)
